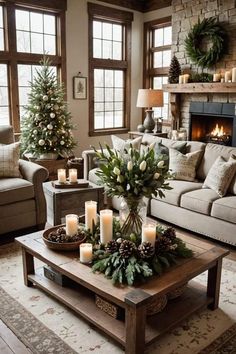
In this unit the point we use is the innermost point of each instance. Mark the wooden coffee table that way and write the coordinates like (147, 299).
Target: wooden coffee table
(137, 330)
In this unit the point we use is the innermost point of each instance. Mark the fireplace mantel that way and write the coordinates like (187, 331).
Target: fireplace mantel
(198, 87)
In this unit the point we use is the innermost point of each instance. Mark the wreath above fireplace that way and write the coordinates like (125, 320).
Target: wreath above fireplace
(208, 29)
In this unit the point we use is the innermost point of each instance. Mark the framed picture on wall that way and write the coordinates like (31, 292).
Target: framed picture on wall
(79, 88)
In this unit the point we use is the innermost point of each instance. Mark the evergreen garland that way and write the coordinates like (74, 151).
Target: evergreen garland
(211, 29)
(46, 125)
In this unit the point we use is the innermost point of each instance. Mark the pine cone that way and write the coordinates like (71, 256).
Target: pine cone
(112, 246)
(127, 248)
(146, 250)
(163, 244)
(61, 231)
(170, 233)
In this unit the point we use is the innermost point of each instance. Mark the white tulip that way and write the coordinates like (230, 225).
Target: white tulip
(130, 151)
(143, 166)
(116, 171)
(151, 146)
(129, 166)
(161, 164)
(120, 179)
(156, 175)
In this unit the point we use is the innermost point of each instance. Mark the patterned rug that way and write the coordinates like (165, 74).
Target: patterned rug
(46, 326)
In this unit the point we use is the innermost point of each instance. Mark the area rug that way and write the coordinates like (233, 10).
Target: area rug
(206, 332)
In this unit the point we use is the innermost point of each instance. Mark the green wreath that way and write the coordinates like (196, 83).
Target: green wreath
(208, 28)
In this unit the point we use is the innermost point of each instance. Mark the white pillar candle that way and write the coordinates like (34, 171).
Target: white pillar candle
(86, 252)
(216, 77)
(106, 225)
(72, 175)
(61, 175)
(71, 224)
(90, 214)
(234, 75)
(181, 79)
(149, 233)
(227, 76)
(185, 78)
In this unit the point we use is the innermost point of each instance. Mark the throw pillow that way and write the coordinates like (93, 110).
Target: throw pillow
(183, 167)
(232, 187)
(120, 144)
(9, 160)
(220, 175)
(161, 149)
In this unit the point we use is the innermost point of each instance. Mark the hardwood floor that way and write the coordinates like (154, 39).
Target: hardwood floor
(9, 343)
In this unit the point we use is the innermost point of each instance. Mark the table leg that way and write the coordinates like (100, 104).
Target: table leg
(28, 266)
(213, 284)
(135, 320)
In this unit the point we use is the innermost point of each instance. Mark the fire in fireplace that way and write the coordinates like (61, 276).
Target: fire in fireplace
(213, 122)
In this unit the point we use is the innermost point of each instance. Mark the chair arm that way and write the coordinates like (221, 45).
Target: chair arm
(89, 161)
(36, 174)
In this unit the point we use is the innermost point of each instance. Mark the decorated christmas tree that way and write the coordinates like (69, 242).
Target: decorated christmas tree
(46, 125)
(174, 71)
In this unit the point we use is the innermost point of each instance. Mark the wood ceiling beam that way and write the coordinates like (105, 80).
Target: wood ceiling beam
(142, 6)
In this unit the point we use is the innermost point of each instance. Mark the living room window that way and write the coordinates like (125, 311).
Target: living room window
(29, 32)
(109, 74)
(157, 46)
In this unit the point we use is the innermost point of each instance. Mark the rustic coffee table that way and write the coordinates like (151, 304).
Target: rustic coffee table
(137, 330)
(61, 202)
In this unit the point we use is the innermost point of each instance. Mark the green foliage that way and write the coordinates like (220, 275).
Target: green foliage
(174, 71)
(202, 77)
(208, 28)
(46, 125)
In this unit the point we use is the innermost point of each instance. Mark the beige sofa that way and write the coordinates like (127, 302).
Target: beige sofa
(187, 204)
(22, 201)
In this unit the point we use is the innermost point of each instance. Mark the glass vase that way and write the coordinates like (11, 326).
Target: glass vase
(133, 213)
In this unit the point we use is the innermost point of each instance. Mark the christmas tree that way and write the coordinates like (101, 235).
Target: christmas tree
(46, 125)
(174, 71)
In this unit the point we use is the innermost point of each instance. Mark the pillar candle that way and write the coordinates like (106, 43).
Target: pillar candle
(227, 76)
(186, 78)
(71, 224)
(216, 77)
(181, 79)
(149, 233)
(86, 252)
(90, 214)
(72, 175)
(61, 175)
(106, 225)
(234, 75)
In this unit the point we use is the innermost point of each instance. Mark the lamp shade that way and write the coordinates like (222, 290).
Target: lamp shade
(148, 98)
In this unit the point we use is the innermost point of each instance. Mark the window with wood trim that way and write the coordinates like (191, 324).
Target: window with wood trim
(157, 57)
(109, 74)
(28, 30)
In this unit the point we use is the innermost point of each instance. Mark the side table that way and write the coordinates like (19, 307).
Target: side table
(135, 134)
(61, 202)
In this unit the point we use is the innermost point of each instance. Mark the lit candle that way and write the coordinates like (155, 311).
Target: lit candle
(216, 77)
(149, 233)
(73, 175)
(90, 214)
(61, 175)
(227, 76)
(181, 79)
(71, 224)
(86, 252)
(106, 225)
(234, 75)
(185, 78)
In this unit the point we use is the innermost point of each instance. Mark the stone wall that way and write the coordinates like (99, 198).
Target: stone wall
(185, 14)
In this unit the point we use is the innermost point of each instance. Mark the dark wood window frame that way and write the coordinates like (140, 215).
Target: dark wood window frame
(12, 58)
(125, 18)
(149, 72)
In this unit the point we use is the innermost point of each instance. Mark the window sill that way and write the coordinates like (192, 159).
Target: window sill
(109, 132)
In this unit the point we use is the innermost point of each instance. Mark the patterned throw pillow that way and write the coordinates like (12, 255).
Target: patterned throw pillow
(220, 175)
(183, 167)
(9, 160)
(161, 149)
(120, 144)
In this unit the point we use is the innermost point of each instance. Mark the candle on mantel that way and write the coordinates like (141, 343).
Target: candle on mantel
(90, 214)
(181, 79)
(234, 75)
(72, 175)
(227, 76)
(71, 224)
(149, 233)
(216, 77)
(61, 175)
(106, 225)
(186, 78)
(86, 253)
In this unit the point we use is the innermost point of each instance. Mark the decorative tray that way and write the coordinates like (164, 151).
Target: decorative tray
(61, 246)
(81, 183)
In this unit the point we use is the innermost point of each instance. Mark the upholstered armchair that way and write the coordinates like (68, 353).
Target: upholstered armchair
(22, 201)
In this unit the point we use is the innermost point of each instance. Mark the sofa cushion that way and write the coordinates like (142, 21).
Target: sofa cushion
(92, 177)
(121, 145)
(9, 160)
(184, 166)
(220, 175)
(14, 190)
(179, 187)
(225, 209)
(199, 200)
(211, 153)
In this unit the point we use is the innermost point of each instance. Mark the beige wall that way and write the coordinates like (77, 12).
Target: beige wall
(77, 60)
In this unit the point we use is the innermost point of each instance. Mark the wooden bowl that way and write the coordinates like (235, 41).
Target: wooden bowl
(60, 246)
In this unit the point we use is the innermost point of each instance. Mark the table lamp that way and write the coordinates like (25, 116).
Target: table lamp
(148, 98)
